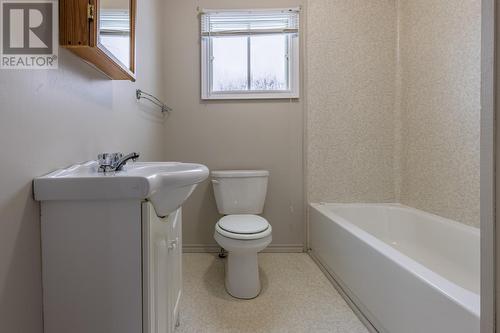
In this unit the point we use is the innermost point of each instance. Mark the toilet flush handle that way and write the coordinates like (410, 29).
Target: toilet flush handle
(214, 181)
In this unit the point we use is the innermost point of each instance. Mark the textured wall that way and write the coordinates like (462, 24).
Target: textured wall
(351, 62)
(393, 104)
(440, 43)
(53, 118)
(255, 134)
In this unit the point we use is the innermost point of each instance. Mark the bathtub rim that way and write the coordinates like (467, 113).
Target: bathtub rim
(455, 293)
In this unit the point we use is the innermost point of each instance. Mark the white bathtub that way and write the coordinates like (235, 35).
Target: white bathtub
(406, 270)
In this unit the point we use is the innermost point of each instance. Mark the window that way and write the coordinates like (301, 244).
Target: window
(251, 54)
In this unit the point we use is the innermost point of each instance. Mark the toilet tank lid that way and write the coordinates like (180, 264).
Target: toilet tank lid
(239, 173)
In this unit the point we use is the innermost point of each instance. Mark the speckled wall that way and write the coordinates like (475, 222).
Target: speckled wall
(440, 42)
(393, 104)
(351, 63)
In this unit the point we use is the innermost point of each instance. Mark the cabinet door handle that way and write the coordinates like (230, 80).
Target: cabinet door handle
(172, 245)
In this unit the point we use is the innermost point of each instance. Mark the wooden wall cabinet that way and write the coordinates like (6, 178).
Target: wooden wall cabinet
(102, 32)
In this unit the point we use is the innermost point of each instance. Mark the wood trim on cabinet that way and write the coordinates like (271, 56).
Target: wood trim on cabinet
(93, 24)
(133, 16)
(101, 59)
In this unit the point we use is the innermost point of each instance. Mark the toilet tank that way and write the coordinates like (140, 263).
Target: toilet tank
(240, 191)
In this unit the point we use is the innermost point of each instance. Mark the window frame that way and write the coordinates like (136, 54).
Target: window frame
(292, 72)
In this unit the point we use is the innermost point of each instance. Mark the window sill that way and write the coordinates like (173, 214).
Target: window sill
(236, 96)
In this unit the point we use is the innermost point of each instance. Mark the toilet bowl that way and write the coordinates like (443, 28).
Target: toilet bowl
(240, 196)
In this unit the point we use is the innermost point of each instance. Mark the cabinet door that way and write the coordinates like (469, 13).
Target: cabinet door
(161, 269)
(155, 270)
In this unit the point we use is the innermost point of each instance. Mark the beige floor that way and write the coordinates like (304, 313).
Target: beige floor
(296, 297)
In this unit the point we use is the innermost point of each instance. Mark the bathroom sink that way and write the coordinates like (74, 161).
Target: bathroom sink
(166, 184)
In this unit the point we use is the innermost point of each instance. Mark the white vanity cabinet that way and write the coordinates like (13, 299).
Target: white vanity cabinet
(110, 266)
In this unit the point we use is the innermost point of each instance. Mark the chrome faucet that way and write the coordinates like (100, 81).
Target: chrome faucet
(109, 162)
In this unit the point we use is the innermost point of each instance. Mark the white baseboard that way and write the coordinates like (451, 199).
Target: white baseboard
(273, 248)
(345, 295)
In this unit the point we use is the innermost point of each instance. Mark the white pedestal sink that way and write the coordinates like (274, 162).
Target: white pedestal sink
(112, 245)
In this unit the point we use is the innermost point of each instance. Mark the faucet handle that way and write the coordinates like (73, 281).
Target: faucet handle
(115, 157)
(108, 159)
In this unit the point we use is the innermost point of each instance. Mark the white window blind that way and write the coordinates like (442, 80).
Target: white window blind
(114, 22)
(219, 23)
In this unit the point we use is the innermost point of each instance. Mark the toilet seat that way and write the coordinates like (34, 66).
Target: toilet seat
(243, 226)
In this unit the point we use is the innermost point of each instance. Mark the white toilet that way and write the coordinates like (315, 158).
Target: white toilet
(240, 194)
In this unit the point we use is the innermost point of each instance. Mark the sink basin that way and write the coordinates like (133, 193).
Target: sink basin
(166, 184)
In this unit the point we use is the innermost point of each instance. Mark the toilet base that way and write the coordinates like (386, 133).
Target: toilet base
(242, 275)
(242, 267)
